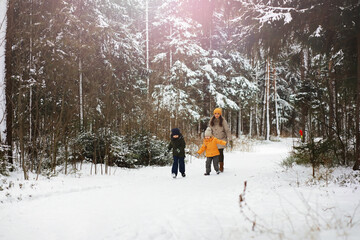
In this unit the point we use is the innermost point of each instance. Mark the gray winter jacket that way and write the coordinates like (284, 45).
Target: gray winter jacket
(222, 133)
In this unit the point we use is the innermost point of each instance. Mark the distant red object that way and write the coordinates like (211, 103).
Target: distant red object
(301, 133)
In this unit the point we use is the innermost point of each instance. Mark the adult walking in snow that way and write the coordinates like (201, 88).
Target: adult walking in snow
(220, 130)
(177, 143)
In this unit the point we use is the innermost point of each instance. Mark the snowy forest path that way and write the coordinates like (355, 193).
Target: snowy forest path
(146, 203)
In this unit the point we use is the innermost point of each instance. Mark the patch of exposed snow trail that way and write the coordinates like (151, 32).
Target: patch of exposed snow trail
(147, 203)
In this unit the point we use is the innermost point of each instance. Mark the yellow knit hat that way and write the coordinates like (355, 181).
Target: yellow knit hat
(217, 110)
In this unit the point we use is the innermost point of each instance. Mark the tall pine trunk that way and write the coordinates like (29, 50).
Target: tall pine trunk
(31, 73)
(304, 107)
(20, 113)
(276, 104)
(250, 121)
(8, 80)
(331, 89)
(147, 49)
(357, 111)
(257, 122)
(81, 105)
(268, 101)
(239, 127)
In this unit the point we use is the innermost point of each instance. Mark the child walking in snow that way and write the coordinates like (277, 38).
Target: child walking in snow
(211, 151)
(177, 143)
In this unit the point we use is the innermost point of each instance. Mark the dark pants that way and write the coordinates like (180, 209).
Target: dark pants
(215, 161)
(221, 157)
(179, 162)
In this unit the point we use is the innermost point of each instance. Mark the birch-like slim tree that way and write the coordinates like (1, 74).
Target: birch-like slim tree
(267, 93)
(276, 104)
(3, 24)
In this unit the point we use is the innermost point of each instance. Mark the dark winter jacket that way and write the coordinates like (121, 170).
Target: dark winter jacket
(178, 146)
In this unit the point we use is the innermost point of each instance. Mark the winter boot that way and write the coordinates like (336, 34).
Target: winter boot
(221, 166)
(183, 174)
(174, 175)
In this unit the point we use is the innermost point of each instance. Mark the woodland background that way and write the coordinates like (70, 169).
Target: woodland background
(106, 80)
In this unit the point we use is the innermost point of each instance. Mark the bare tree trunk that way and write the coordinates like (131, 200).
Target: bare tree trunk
(30, 89)
(171, 53)
(237, 125)
(170, 125)
(267, 101)
(9, 82)
(330, 83)
(66, 153)
(40, 157)
(81, 105)
(250, 121)
(94, 159)
(158, 113)
(256, 105)
(147, 48)
(3, 20)
(240, 116)
(56, 131)
(107, 159)
(357, 110)
(230, 121)
(53, 165)
(30, 73)
(263, 113)
(304, 107)
(21, 134)
(276, 104)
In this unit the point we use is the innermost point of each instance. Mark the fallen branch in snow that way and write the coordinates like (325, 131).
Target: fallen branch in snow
(351, 223)
(246, 211)
(244, 207)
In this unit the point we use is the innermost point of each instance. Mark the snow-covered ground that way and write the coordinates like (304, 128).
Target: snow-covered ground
(147, 203)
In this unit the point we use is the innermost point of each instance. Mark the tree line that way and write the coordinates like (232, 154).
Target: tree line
(85, 77)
